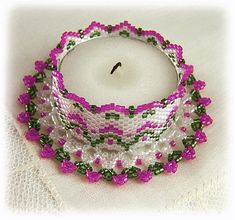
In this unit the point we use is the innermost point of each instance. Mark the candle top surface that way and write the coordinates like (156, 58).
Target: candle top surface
(145, 73)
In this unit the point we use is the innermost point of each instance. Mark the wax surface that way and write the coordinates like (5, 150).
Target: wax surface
(146, 73)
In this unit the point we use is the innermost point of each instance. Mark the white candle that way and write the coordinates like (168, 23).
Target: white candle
(146, 74)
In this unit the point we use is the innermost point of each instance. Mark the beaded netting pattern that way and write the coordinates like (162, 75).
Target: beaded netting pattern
(111, 141)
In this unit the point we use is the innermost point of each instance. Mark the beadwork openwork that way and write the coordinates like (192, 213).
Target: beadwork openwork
(111, 141)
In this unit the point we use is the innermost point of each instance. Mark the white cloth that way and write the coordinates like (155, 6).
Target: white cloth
(36, 184)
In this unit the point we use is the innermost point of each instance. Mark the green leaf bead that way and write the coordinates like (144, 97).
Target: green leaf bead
(156, 168)
(62, 155)
(124, 33)
(196, 124)
(175, 155)
(34, 123)
(200, 110)
(131, 171)
(31, 108)
(107, 174)
(195, 95)
(110, 28)
(189, 141)
(95, 34)
(45, 139)
(40, 77)
(139, 31)
(32, 92)
(190, 80)
(82, 167)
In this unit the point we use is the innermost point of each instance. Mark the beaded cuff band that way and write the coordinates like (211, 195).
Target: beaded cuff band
(111, 141)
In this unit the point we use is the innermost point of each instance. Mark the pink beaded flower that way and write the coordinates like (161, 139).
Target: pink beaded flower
(47, 152)
(23, 117)
(29, 80)
(170, 167)
(206, 120)
(200, 136)
(67, 166)
(204, 101)
(188, 153)
(32, 135)
(120, 179)
(144, 175)
(93, 176)
(39, 65)
(199, 85)
(24, 99)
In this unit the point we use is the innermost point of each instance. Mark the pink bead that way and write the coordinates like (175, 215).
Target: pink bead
(24, 99)
(188, 153)
(32, 135)
(61, 141)
(93, 176)
(144, 175)
(78, 153)
(110, 141)
(47, 152)
(120, 179)
(23, 117)
(29, 80)
(49, 129)
(67, 166)
(199, 85)
(204, 101)
(138, 162)
(173, 143)
(158, 155)
(40, 65)
(206, 120)
(183, 129)
(170, 167)
(118, 163)
(200, 136)
(186, 114)
(97, 161)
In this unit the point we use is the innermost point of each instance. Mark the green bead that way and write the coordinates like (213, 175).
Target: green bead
(107, 116)
(117, 117)
(144, 115)
(95, 34)
(62, 155)
(156, 168)
(124, 33)
(32, 92)
(164, 102)
(152, 111)
(31, 108)
(107, 174)
(139, 31)
(167, 42)
(175, 155)
(131, 115)
(196, 124)
(93, 109)
(190, 80)
(131, 171)
(110, 28)
(34, 123)
(195, 95)
(40, 77)
(45, 139)
(82, 167)
(189, 141)
(200, 110)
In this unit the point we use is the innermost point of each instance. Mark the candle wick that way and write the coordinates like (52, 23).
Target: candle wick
(115, 67)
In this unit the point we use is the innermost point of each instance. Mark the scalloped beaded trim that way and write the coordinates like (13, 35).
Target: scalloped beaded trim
(53, 148)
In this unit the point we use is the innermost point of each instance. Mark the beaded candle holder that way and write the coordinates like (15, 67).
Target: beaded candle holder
(112, 141)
